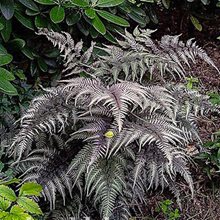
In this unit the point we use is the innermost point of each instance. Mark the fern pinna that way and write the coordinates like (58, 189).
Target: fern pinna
(136, 57)
(108, 143)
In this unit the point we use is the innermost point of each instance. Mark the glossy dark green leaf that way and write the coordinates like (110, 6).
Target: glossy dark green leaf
(139, 19)
(52, 53)
(113, 18)
(5, 59)
(30, 12)
(138, 11)
(1, 26)
(29, 4)
(42, 65)
(93, 32)
(45, 2)
(98, 25)
(90, 13)
(73, 18)
(80, 3)
(109, 3)
(196, 23)
(6, 75)
(6, 31)
(110, 37)
(2, 49)
(57, 14)
(25, 21)
(7, 8)
(17, 44)
(83, 28)
(40, 22)
(125, 8)
(27, 52)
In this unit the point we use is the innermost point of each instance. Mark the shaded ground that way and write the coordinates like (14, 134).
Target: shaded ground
(206, 202)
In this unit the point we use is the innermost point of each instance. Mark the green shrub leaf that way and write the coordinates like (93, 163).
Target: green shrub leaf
(3, 214)
(4, 204)
(98, 25)
(1, 26)
(5, 59)
(40, 22)
(30, 189)
(72, 19)
(6, 31)
(18, 213)
(6, 75)
(108, 3)
(80, 3)
(45, 2)
(7, 8)
(29, 4)
(196, 23)
(139, 19)
(27, 22)
(17, 44)
(113, 18)
(5, 191)
(57, 14)
(90, 13)
(29, 205)
(5, 85)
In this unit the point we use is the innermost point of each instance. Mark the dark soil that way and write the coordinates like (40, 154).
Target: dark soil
(205, 204)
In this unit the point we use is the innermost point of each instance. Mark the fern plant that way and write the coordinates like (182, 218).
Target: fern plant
(136, 57)
(108, 143)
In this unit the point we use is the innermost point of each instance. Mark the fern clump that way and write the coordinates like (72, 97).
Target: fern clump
(108, 143)
(136, 57)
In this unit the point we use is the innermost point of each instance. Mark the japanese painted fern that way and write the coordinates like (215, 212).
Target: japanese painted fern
(136, 57)
(109, 144)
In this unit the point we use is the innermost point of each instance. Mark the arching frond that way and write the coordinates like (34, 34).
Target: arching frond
(135, 57)
(75, 60)
(108, 142)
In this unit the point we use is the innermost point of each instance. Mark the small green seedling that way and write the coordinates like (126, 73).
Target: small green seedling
(191, 81)
(21, 206)
(168, 211)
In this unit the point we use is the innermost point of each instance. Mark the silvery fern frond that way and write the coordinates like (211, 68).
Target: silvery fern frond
(135, 57)
(48, 165)
(75, 60)
(120, 139)
(47, 113)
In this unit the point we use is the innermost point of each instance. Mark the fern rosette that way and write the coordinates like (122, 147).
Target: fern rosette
(108, 143)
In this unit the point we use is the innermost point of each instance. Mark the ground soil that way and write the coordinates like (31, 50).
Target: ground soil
(205, 204)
